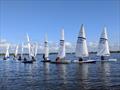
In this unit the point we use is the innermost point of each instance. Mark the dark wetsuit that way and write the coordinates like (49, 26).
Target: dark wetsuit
(58, 58)
(102, 58)
(33, 58)
(25, 59)
(4, 58)
(80, 59)
(19, 58)
(44, 56)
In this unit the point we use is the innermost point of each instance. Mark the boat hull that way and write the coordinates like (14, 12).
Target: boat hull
(6, 58)
(108, 60)
(46, 61)
(60, 62)
(27, 61)
(87, 61)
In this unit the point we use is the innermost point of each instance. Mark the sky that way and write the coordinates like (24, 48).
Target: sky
(38, 17)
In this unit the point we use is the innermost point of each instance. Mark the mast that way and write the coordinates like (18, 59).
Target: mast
(61, 52)
(103, 47)
(81, 46)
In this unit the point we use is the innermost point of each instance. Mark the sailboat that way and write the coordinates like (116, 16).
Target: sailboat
(21, 55)
(81, 48)
(16, 52)
(61, 54)
(33, 52)
(46, 51)
(7, 53)
(103, 47)
(30, 58)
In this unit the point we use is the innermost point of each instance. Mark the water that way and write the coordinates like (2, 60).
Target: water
(45, 76)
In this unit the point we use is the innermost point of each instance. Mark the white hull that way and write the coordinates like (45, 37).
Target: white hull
(108, 60)
(61, 62)
(86, 61)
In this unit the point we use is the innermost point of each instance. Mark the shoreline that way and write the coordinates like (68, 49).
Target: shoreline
(57, 53)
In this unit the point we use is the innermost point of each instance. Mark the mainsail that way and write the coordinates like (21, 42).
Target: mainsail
(32, 50)
(81, 46)
(29, 45)
(103, 47)
(36, 48)
(46, 48)
(7, 51)
(61, 52)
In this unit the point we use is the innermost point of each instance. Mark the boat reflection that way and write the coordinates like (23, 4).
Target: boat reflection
(82, 75)
(82, 71)
(105, 74)
(62, 75)
(46, 70)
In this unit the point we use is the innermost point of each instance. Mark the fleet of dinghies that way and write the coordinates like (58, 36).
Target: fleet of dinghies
(81, 51)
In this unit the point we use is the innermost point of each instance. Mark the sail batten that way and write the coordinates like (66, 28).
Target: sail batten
(81, 46)
(103, 47)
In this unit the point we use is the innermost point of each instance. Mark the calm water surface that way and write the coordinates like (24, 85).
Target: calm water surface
(45, 76)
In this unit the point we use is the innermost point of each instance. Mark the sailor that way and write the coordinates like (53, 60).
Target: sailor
(33, 58)
(4, 58)
(19, 58)
(80, 59)
(25, 59)
(44, 57)
(57, 59)
(102, 57)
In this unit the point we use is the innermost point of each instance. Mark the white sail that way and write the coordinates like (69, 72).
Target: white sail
(32, 50)
(29, 45)
(22, 49)
(61, 52)
(103, 47)
(81, 46)
(36, 49)
(46, 48)
(16, 51)
(7, 51)
(28, 39)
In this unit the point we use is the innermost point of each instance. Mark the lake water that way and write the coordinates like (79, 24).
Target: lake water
(15, 75)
